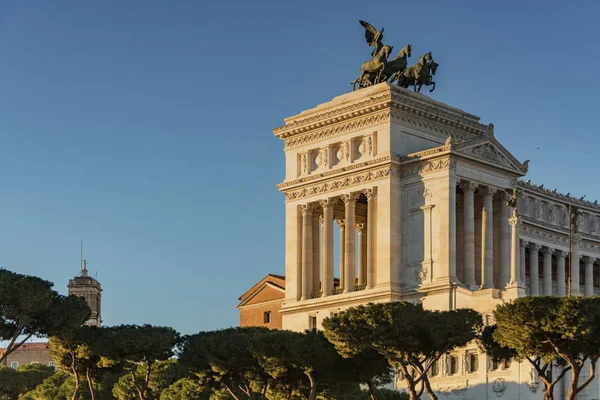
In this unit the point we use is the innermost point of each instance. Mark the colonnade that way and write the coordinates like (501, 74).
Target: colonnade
(317, 245)
(508, 228)
(554, 270)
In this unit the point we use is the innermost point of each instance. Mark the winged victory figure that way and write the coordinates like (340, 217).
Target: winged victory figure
(373, 36)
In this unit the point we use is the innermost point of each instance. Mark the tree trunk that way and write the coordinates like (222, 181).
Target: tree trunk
(372, 390)
(136, 386)
(428, 388)
(75, 376)
(575, 370)
(90, 384)
(313, 386)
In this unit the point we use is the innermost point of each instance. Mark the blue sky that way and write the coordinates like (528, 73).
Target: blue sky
(144, 127)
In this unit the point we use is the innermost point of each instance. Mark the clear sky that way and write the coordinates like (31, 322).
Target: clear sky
(144, 127)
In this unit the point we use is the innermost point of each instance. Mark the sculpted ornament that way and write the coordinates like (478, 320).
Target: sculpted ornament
(499, 387)
(380, 69)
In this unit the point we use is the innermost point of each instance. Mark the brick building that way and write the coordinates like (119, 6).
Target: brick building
(260, 305)
(29, 353)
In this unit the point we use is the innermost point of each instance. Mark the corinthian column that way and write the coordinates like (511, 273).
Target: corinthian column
(468, 189)
(370, 195)
(560, 272)
(327, 253)
(362, 254)
(505, 247)
(342, 224)
(523, 262)
(575, 291)
(316, 268)
(350, 239)
(547, 273)
(487, 239)
(588, 289)
(307, 256)
(534, 269)
(515, 266)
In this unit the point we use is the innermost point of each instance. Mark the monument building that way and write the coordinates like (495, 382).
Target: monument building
(407, 198)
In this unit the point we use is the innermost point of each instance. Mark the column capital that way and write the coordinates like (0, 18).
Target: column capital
(467, 186)
(487, 191)
(515, 221)
(561, 253)
(534, 246)
(547, 250)
(347, 197)
(502, 195)
(341, 223)
(524, 244)
(361, 228)
(589, 259)
(306, 209)
(326, 203)
(369, 193)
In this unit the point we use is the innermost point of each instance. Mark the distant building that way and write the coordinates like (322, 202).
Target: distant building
(29, 353)
(90, 290)
(260, 305)
(83, 286)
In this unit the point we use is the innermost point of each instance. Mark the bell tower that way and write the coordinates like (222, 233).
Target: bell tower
(89, 289)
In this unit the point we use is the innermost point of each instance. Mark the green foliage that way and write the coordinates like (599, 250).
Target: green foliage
(58, 386)
(29, 307)
(404, 333)
(14, 383)
(225, 359)
(189, 389)
(544, 328)
(135, 346)
(164, 374)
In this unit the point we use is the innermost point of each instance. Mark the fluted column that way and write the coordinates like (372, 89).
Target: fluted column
(515, 267)
(523, 261)
(588, 289)
(342, 224)
(560, 272)
(487, 239)
(505, 246)
(468, 189)
(547, 272)
(327, 243)
(534, 269)
(370, 195)
(316, 264)
(575, 291)
(350, 239)
(307, 257)
(362, 254)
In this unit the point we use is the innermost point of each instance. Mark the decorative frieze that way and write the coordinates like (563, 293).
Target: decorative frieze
(339, 183)
(427, 167)
(488, 152)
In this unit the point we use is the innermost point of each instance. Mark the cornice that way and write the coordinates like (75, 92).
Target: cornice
(338, 128)
(556, 196)
(346, 181)
(562, 239)
(336, 171)
(430, 114)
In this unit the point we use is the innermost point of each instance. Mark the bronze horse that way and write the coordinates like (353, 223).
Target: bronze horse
(420, 74)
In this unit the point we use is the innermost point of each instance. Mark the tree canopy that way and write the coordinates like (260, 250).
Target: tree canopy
(549, 327)
(405, 334)
(29, 307)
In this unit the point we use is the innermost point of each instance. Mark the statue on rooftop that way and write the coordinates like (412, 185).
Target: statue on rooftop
(380, 69)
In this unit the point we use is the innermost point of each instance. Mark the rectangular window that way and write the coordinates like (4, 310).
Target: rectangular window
(473, 363)
(434, 371)
(34, 362)
(312, 323)
(52, 365)
(453, 365)
(267, 317)
(14, 364)
(494, 365)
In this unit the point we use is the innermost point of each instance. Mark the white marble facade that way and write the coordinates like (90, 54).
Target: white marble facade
(416, 192)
